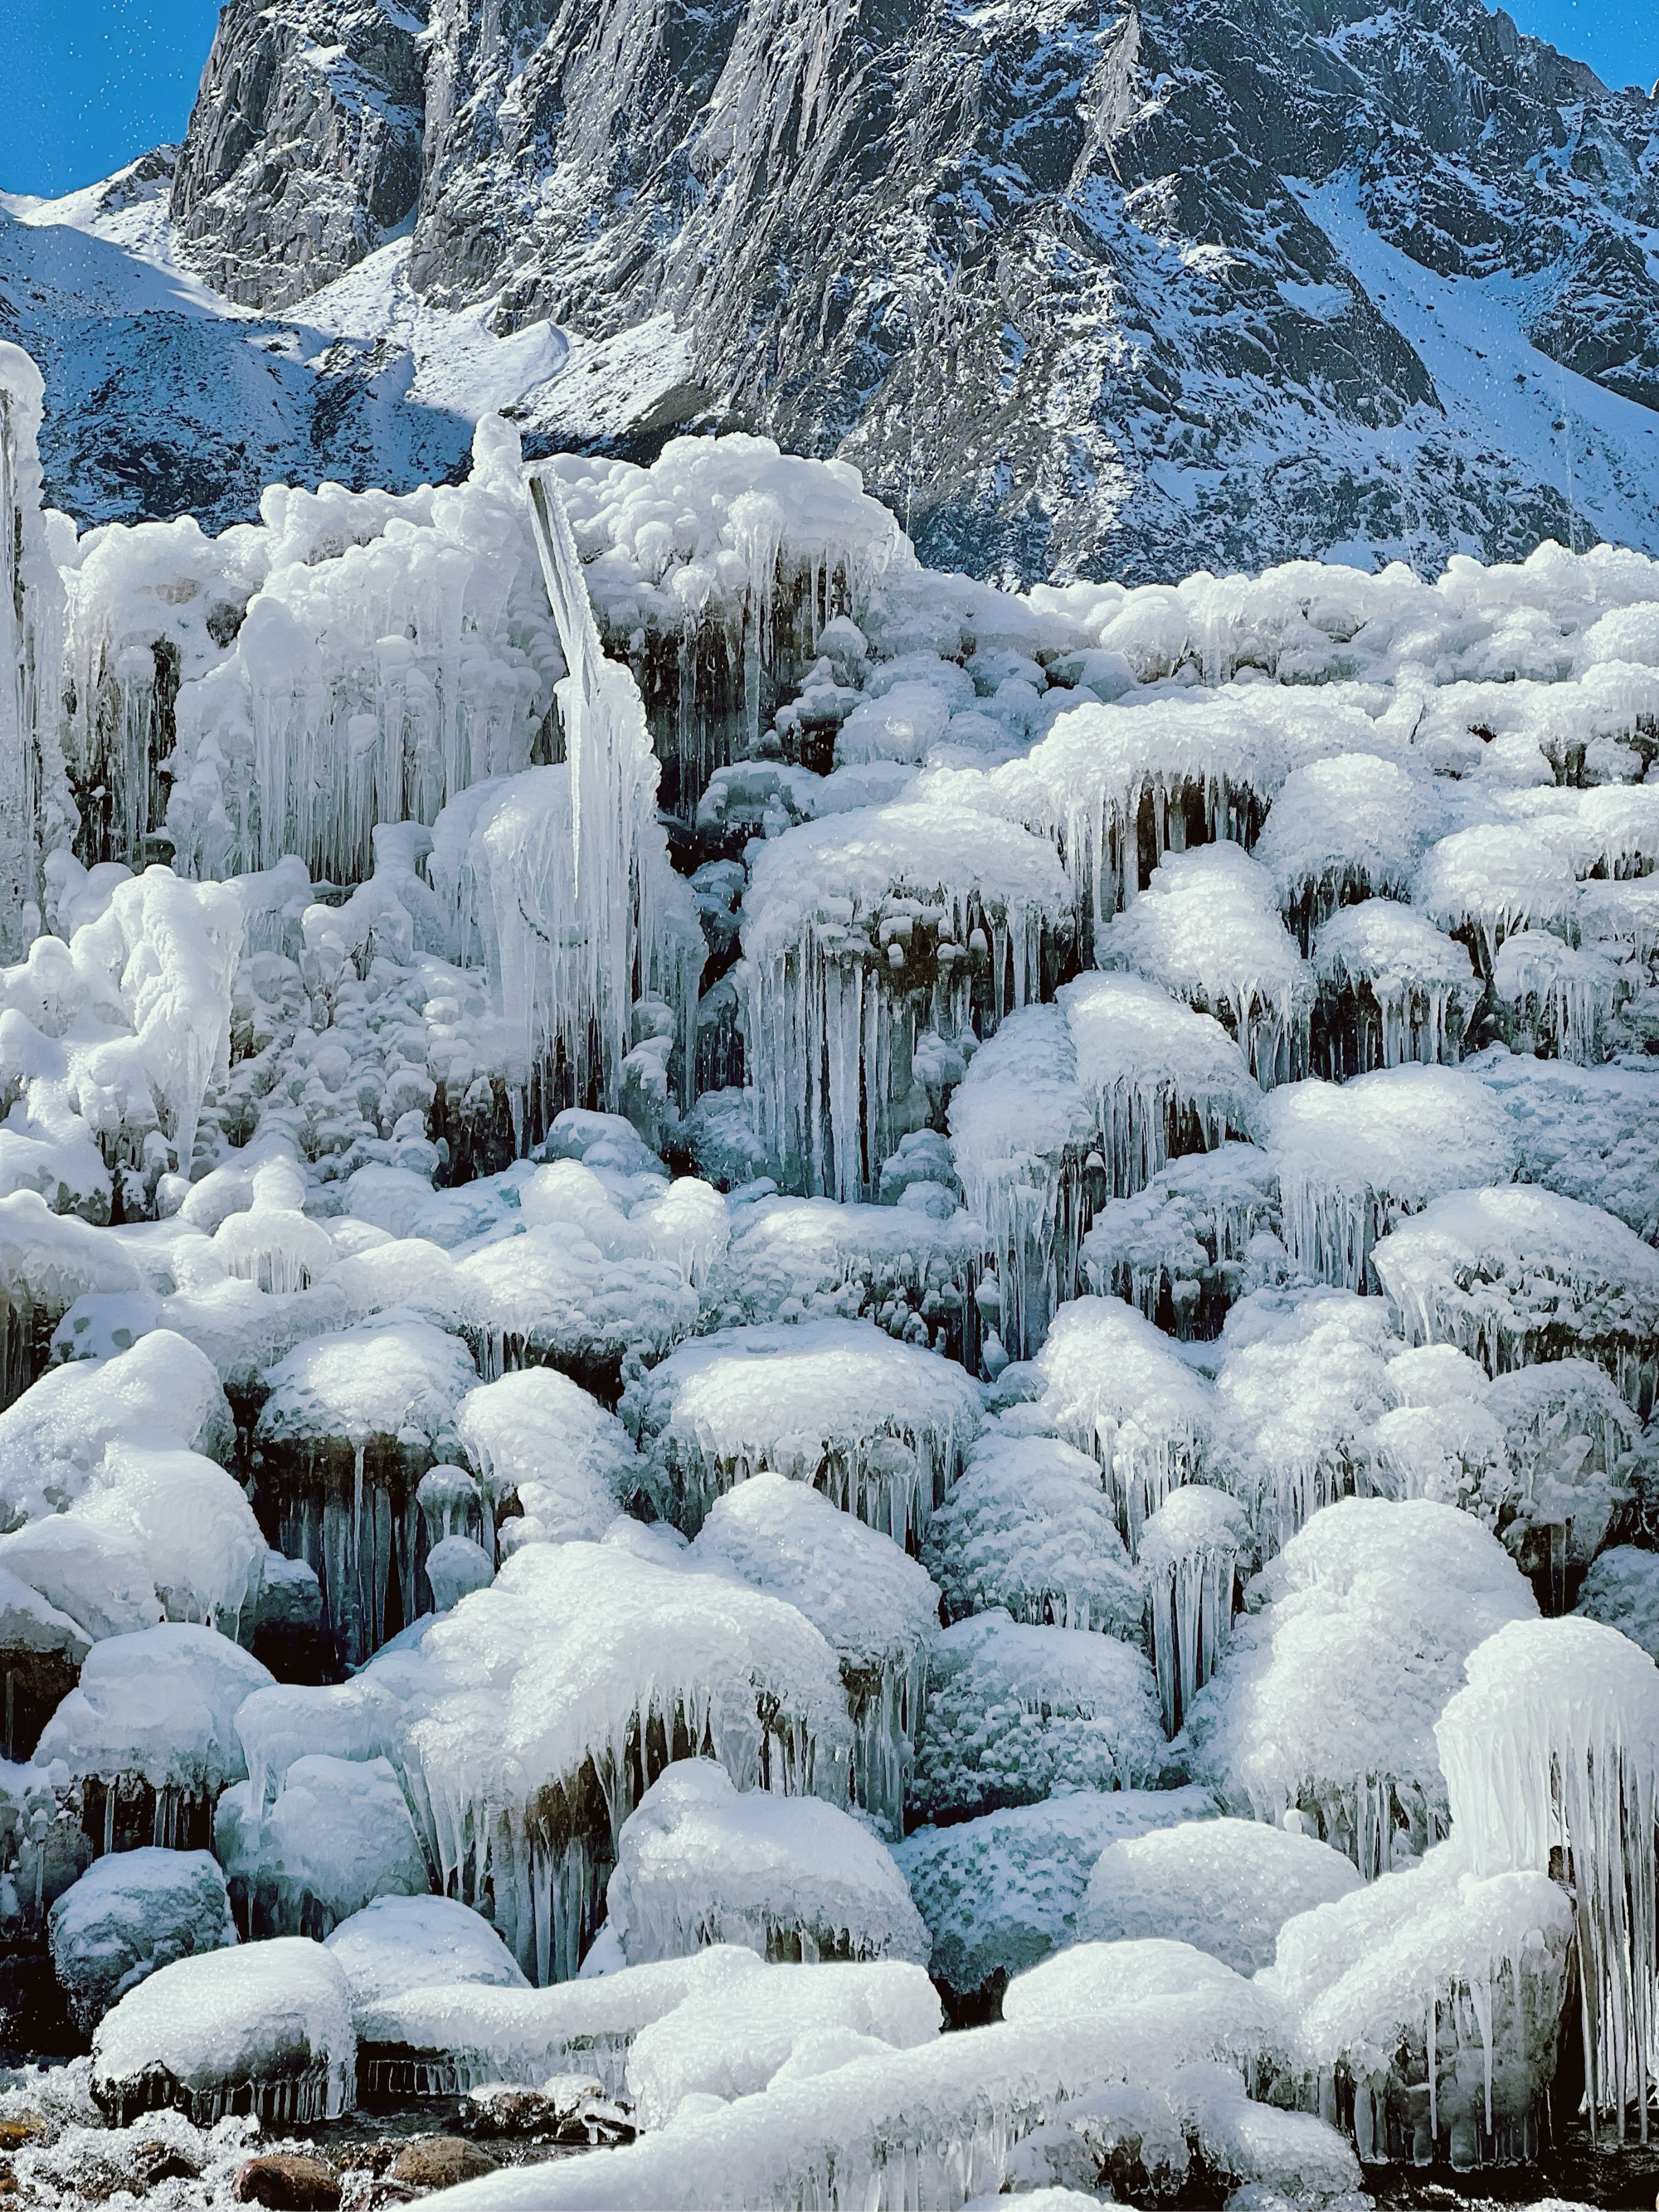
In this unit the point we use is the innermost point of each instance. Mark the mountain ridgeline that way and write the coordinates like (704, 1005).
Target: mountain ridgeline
(1081, 287)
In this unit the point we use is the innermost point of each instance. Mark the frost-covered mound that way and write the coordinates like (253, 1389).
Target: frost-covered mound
(837, 1265)
(698, 1862)
(129, 1914)
(265, 2028)
(1352, 1643)
(881, 1427)
(1226, 1886)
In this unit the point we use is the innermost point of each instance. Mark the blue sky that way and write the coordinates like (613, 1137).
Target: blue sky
(94, 82)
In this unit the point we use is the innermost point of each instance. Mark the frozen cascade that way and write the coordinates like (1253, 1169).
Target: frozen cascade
(1392, 987)
(542, 1709)
(34, 813)
(860, 934)
(1556, 992)
(560, 875)
(876, 1607)
(1304, 1379)
(1183, 1249)
(1517, 1275)
(1028, 1527)
(1189, 1549)
(1354, 1160)
(1350, 1641)
(1021, 1132)
(1553, 1745)
(880, 1427)
(716, 573)
(1115, 1387)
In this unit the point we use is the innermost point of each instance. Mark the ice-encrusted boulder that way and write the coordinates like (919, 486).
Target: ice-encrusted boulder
(150, 1735)
(1621, 1591)
(1015, 1713)
(338, 1836)
(349, 1424)
(1516, 1275)
(732, 2043)
(1226, 1886)
(264, 2028)
(1352, 1642)
(397, 1944)
(880, 1427)
(999, 1893)
(1028, 1527)
(877, 1608)
(699, 1863)
(129, 1914)
(528, 1722)
(1114, 1386)
(537, 1439)
(1427, 2009)
(41, 1650)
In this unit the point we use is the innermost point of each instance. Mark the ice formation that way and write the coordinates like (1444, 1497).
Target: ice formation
(338, 1836)
(881, 1427)
(999, 1893)
(876, 1608)
(447, 2037)
(397, 1943)
(1351, 1641)
(1029, 1529)
(1553, 1745)
(1116, 1387)
(730, 2042)
(131, 1913)
(1428, 2007)
(264, 2028)
(698, 1862)
(1015, 1713)
(149, 1734)
(1226, 1886)
(542, 1709)
(1189, 1554)
(587, 1291)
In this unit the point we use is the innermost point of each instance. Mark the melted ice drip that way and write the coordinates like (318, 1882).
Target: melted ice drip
(1553, 1749)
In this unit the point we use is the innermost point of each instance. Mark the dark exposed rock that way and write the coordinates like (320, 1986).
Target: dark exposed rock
(286, 2181)
(304, 145)
(440, 2162)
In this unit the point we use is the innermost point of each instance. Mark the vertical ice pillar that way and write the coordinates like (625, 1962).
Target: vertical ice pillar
(635, 928)
(31, 631)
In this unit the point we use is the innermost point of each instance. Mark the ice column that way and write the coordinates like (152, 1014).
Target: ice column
(31, 648)
(1551, 1755)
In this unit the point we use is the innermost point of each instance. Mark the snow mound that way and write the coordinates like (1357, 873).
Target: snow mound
(730, 2042)
(129, 1915)
(1015, 1713)
(264, 2028)
(698, 1863)
(880, 1427)
(397, 1944)
(1352, 1643)
(338, 1836)
(877, 1609)
(160, 1706)
(1226, 1886)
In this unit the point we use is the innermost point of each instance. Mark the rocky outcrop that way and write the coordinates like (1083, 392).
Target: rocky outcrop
(304, 145)
(1029, 267)
(1082, 287)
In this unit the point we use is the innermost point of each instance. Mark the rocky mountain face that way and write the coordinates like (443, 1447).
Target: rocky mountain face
(1082, 287)
(304, 147)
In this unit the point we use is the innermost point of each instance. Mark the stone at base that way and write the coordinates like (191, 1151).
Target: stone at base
(284, 2181)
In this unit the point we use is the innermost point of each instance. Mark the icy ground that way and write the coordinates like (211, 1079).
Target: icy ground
(871, 1362)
